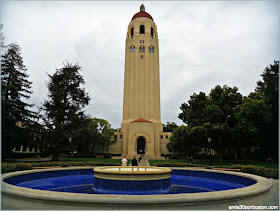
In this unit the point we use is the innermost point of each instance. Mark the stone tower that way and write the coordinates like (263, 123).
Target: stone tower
(141, 125)
(141, 129)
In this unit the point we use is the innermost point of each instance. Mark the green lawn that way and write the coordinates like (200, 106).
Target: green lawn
(103, 160)
(198, 162)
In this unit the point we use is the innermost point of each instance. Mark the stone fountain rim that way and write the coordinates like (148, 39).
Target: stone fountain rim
(263, 185)
(159, 170)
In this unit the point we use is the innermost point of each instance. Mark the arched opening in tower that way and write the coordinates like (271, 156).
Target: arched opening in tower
(141, 145)
(142, 29)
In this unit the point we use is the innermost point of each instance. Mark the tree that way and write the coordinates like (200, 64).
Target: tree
(269, 89)
(15, 88)
(186, 140)
(101, 133)
(64, 118)
(253, 119)
(193, 111)
(212, 117)
(2, 38)
(169, 127)
(178, 140)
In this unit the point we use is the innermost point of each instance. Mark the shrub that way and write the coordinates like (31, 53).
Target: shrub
(75, 163)
(10, 167)
(46, 164)
(273, 173)
(261, 171)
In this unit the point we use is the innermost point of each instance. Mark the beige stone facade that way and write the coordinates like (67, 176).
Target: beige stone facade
(141, 128)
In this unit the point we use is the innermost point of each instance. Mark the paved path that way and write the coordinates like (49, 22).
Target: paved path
(143, 162)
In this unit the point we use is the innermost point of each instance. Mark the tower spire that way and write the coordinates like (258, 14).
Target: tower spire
(142, 8)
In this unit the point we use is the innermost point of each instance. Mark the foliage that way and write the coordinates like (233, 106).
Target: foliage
(269, 89)
(192, 112)
(3, 46)
(253, 119)
(169, 127)
(11, 167)
(178, 142)
(15, 89)
(101, 135)
(63, 117)
(210, 117)
(261, 171)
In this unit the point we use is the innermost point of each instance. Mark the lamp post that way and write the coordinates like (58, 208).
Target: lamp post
(209, 143)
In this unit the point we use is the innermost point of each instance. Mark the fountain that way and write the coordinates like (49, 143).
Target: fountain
(131, 188)
(132, 180)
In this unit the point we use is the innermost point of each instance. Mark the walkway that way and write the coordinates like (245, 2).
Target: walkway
(143, 162)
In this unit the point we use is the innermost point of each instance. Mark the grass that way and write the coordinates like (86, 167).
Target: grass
(102, 160)
(215, 163)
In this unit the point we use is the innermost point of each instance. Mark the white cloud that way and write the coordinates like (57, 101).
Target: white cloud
(202, 44)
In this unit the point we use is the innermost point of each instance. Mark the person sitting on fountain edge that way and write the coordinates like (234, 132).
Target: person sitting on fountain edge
(134, 162)
(124, 161)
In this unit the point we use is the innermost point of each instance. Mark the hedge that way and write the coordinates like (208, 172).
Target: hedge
(10, 167)
(261, 171)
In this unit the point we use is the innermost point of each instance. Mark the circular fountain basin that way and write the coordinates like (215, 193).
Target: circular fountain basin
(66, 188)
(132, 180)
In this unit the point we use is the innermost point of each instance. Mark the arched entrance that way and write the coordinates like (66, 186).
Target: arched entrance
(141, 145)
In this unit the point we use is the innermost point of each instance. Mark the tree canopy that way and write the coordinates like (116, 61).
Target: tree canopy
(15, 89)
(235, 124)
(169, 127)
(63, 111)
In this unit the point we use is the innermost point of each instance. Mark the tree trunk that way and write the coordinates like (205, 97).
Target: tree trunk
(235, 155)
(220, 157)
(55, 155)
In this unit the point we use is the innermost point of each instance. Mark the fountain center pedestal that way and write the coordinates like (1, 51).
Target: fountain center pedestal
(132, 180)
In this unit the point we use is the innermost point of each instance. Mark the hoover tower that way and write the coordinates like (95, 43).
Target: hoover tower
(141, 129)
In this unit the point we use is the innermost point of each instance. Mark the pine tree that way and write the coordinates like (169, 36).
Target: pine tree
(15, 87)
(269, 89)
(64, 109)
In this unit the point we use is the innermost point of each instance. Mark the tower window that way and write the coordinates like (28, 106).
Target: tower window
(142, 49)
(151, 49)
(132, 49)
(152, 31)
(132, 31)
(142, 29)
(141, 41)
(142, 56)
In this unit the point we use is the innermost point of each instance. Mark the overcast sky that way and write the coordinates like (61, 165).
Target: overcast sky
(201, 45)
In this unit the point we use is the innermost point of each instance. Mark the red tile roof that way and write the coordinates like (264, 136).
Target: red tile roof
(141, 120)
(142, 14)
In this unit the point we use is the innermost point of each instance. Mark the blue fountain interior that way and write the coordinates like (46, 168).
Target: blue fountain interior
(83, 181)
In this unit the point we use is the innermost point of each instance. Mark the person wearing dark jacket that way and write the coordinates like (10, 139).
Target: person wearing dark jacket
(134, 162)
